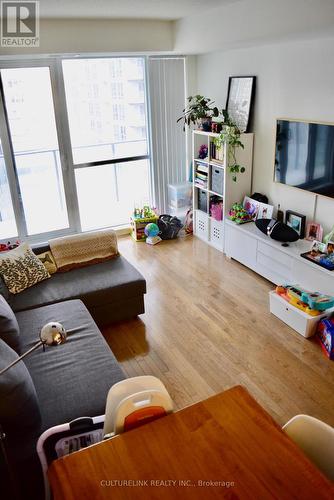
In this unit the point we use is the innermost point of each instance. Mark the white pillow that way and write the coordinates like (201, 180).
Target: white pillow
(21, 268)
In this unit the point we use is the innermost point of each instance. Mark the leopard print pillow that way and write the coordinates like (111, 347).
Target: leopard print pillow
(20, 268)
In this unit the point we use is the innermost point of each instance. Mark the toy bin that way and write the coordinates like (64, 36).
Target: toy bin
(301, 322)
(217, 180)
(180, 195)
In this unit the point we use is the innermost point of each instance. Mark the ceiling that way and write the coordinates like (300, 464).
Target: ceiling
(134, 9)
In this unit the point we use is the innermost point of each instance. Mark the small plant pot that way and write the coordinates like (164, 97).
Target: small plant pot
(205, 124)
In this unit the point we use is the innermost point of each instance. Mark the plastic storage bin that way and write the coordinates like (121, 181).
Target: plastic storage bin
(202, 200)
(180, 195)
(301, 322)
(217, 180)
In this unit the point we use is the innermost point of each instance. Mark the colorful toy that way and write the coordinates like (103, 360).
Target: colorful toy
(311, 303)
(152, 233)
(4, 247)
(325, 336)
(239, 215)
(141, 217)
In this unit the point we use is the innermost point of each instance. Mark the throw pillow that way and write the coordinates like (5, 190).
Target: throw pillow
(20, 268)
(48, 261)
(9, 328)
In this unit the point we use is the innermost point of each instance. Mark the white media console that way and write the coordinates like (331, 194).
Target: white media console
(246, 244)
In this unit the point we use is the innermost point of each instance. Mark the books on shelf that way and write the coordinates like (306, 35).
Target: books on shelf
(201, 174)
(216, 153)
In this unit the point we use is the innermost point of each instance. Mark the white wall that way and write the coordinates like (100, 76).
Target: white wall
(99, 35)
(294, 80)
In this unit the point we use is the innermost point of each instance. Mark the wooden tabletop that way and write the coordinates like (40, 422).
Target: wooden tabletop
(224, 447)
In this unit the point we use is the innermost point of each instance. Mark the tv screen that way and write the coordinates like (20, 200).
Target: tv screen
(304, 156)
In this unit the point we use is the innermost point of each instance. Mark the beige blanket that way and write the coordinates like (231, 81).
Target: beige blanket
(84, 249)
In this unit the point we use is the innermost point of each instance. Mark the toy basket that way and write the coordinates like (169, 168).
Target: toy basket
(169, 226)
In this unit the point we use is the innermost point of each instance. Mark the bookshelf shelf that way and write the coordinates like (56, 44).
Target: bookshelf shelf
(219, 186)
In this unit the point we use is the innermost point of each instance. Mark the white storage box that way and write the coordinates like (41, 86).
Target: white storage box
(303, 323)
(180, 195)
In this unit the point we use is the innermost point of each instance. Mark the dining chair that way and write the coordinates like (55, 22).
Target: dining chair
(316, 439)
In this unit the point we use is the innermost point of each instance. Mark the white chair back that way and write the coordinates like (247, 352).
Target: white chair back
(316, 439)
(135, 400)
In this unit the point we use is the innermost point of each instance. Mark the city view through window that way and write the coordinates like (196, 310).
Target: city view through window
(106, 111)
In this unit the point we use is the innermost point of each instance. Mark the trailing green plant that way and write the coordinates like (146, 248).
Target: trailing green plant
(230, 135)
(198, 107)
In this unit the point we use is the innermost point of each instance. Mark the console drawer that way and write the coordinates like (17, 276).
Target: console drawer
(276, 255)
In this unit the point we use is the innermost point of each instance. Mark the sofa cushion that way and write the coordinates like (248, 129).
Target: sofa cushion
(21, 269)
(9, 329)
(95, 285)
(19, 407)
(72, 380)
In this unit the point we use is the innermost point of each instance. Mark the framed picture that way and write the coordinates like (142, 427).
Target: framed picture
(330, 247)
(240, 96)
(251, 206)
(265, 211)
(314, 231)
(297, 222)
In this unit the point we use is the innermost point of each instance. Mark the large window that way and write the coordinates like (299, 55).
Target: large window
(77, 139)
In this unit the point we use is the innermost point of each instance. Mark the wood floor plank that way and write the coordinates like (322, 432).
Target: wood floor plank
(207, 327)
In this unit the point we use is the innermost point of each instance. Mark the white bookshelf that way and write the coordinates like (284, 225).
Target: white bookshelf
(205, 226)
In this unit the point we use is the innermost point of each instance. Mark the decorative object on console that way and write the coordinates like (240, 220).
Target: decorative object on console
(280, 214)
(240, 97)
(314, 231)
(251, 206)
(265, 211)
(239, 215)
(320, 255)
(277, 230)
(296, 221)
(329, 236)
(199, 111)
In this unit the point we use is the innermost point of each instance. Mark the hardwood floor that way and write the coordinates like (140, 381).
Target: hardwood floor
(207, 327)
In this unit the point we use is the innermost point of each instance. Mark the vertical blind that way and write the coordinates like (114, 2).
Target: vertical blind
(167, 100)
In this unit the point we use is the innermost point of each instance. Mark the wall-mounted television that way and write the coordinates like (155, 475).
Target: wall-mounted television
(304, 156)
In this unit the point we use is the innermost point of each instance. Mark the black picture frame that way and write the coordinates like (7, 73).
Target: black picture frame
(302, 222)
(240, 100)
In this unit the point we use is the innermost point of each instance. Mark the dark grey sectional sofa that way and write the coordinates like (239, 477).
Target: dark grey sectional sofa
(71, 380)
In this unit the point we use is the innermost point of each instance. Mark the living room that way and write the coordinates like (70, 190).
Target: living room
(166, 237)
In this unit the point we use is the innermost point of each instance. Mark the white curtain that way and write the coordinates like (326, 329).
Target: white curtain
(166, 77)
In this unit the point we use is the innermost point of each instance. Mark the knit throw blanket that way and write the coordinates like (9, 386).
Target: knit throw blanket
(83, 249)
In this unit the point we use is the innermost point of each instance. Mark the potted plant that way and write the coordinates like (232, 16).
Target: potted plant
(199, 111)
(230, 135)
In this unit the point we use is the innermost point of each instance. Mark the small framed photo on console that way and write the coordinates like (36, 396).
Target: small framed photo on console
(297, 222)
(314, 231)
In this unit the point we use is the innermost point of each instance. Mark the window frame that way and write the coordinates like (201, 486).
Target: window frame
(54, 63)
